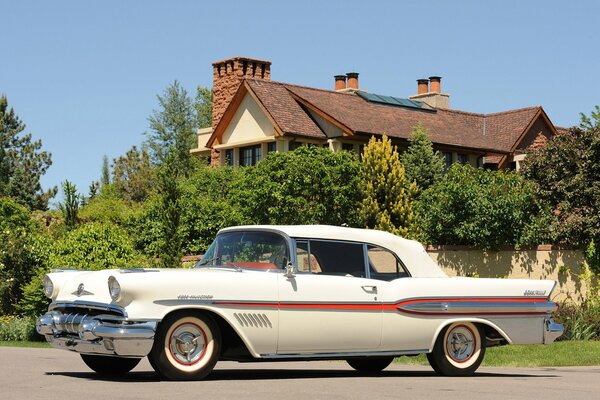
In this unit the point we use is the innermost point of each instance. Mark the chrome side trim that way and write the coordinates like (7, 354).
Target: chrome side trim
(468, 307)
(136, 270)
(345, 354)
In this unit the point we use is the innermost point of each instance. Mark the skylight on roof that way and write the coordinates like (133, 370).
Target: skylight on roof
(394, 101)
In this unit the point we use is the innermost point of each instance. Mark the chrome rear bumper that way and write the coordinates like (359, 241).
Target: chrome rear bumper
(97, 334)
(552, 330)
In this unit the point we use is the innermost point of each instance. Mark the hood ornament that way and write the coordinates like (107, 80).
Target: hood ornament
(81, 291)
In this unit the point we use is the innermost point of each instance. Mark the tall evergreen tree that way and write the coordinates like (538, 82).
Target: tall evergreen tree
(133, 175)
(22, 163)
(170, 250)
(70, 207)
(421, 163)
(203, 106)
(387, 196)
(105, 178)
(172, 129)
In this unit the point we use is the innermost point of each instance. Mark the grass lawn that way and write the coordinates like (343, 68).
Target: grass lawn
(25, 344)
(560, 354)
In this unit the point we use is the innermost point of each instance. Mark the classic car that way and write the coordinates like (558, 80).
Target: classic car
(265, 293)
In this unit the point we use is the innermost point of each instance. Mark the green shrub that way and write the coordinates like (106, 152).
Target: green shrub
(472, 206)
(18, 329)
(309, 185)
(95, 246)
(22, 250)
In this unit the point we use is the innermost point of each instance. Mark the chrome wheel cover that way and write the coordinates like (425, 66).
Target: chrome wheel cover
(460, 344)
(187, 343)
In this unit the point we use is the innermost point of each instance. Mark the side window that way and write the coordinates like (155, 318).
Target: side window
(306, 261)
(383, 264)
(338, 258)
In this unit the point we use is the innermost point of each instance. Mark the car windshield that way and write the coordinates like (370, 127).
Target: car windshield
(258, 250)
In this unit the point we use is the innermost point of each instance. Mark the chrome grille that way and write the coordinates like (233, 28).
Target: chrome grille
(253, 320)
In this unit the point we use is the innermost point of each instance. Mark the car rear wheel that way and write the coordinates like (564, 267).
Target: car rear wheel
(186, 347)
(107, 365)
(458, 350)
(370, 364)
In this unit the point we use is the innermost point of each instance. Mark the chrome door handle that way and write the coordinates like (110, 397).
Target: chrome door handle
(369, 289)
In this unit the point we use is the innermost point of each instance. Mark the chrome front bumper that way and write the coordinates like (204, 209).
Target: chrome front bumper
(552, 330)
(97, 334)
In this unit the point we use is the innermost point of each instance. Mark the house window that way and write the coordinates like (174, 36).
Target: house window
(229, 157)
(294, 145)
(250, 155)
(271, 147)
(462, 158)
(447, 159)
(361, 151)
(348, 146)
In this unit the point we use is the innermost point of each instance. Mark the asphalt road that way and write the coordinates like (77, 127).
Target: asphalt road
(30, 374)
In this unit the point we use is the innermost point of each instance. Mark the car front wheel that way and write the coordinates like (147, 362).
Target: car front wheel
(458, 350)
(186, 347)
(108, 365)
(370, 364)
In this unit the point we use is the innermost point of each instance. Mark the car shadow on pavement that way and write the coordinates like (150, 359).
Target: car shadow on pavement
(282, 374)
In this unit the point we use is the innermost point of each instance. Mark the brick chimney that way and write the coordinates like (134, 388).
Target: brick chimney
(352, 80)
(436, 84)
(431, 95)
(227, 76)
(422, 86)
(340, 82)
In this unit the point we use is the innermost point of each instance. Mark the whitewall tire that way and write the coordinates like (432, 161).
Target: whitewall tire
(186, 346)
(458, 350)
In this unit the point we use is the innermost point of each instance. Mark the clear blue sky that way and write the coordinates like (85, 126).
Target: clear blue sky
(84, 76)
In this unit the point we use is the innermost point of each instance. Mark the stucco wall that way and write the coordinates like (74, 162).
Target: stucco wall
(563, 266)
(248, 124)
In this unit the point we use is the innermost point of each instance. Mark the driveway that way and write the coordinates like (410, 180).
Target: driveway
(29, 374)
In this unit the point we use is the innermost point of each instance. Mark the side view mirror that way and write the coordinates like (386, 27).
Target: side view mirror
(290, 270)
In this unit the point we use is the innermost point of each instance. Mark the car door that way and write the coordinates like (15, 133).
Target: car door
(329, 306)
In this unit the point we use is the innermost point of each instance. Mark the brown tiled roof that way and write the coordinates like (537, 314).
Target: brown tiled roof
(286, 112)
(505, 128)
(492, 132)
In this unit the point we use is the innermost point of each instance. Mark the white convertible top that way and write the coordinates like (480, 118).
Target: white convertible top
(411, 252)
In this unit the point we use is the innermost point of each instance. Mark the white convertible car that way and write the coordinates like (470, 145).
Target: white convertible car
(265, 293)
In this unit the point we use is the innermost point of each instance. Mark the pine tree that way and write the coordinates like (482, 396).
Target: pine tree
(172, 129)
(133, 175)
(170, 250)
(422, 164)
(105, 178)
(70, 207)
(203, 106)
(22, 163)
(387, 197)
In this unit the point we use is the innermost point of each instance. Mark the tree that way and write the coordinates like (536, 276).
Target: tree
(172, 129)
(387, 196)
(105, 177)
(309, 185)
(133, 175)
(473, 206)
(22, 250)
(421, 163)
(591, 122)
(203, 106)
(70, 207)
(170, 251)
(566, 173)
(22, 163)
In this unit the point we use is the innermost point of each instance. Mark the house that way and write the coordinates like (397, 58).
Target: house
(253, 115)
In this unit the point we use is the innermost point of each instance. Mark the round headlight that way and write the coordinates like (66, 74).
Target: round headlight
(48, 286)
(114, 288)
